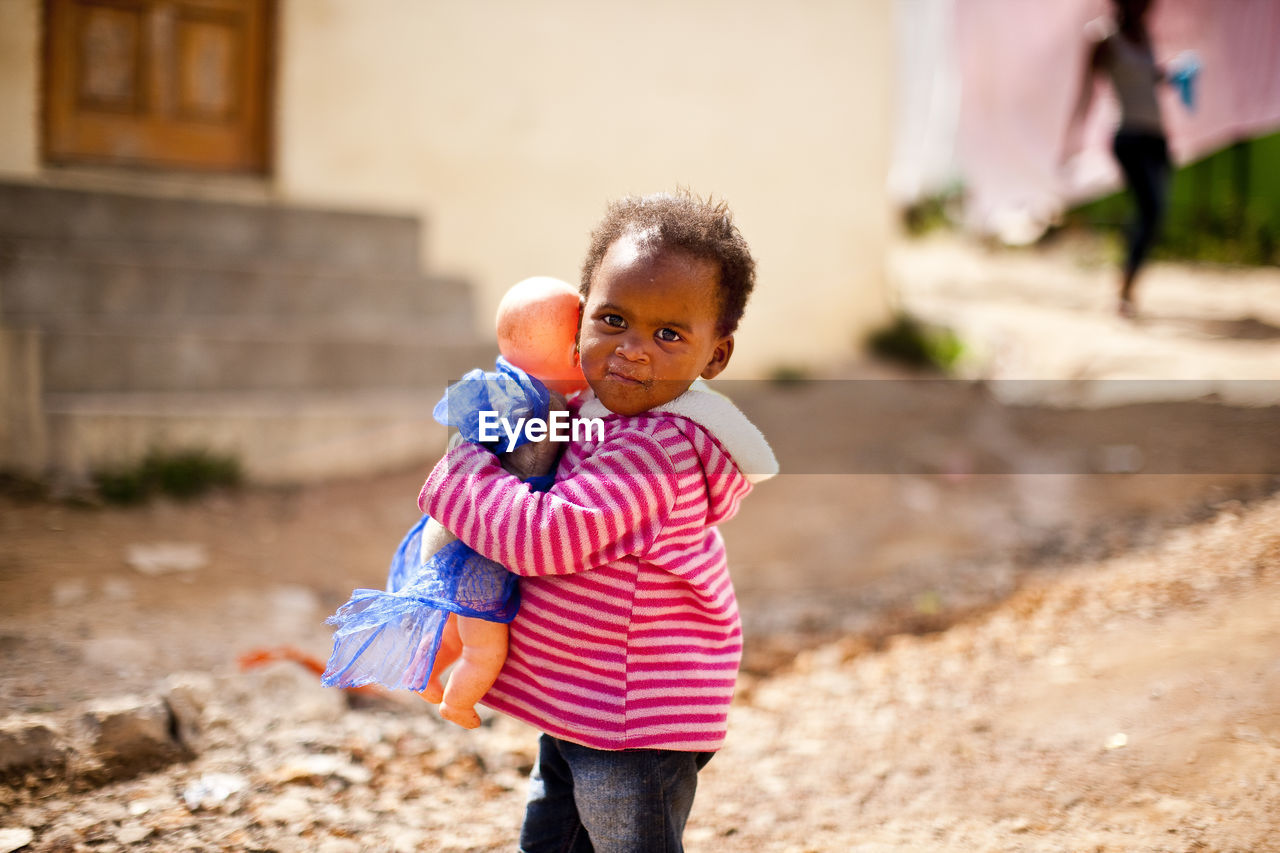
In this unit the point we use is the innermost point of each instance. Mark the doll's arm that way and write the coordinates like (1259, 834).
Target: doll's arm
(535, 458)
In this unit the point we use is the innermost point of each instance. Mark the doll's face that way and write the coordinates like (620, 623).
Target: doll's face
(649, 326)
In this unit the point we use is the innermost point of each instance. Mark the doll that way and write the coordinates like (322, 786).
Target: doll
(444, 603)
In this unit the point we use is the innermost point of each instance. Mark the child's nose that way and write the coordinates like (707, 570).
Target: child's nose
(632, 348)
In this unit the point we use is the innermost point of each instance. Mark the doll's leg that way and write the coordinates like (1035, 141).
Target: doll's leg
(484, 650)
(450, 648)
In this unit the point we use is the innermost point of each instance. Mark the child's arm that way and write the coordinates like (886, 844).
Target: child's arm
(1073, 136)
(615, 503)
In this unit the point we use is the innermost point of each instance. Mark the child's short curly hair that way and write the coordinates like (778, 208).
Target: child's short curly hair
(681, 220)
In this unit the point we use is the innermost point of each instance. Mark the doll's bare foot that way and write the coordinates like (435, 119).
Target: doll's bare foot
(465, 717)
(433, 692)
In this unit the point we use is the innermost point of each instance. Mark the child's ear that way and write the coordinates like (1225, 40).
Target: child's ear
(719, 358)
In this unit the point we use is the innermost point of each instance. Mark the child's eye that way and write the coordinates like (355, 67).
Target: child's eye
(613, 320)
(668, 335)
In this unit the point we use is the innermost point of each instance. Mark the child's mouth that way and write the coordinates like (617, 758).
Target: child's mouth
(624, 378)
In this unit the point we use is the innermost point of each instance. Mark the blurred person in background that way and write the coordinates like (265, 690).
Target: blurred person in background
(1121, 50)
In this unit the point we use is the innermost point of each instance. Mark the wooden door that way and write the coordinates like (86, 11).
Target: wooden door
(172, 84)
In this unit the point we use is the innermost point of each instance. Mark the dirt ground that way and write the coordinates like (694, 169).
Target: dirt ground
(950, 647)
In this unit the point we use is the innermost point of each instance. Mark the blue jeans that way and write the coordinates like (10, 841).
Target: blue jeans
(629, 801)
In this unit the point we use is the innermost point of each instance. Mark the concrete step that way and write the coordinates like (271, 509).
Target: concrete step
(306, 343)
(253, 354)
(277, 437)
(115, 225)
(41, 288)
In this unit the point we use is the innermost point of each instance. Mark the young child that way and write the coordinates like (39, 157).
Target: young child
(626, 648)
(1121, 49)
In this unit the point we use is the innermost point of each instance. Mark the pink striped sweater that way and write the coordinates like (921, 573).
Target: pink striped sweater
(628, 633)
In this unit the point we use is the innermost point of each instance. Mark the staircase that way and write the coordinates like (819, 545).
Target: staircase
(306, 343)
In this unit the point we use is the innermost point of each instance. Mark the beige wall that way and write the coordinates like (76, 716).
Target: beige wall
(509, 125)
(19, 84)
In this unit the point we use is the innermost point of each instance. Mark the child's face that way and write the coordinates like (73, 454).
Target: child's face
(649, 326)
